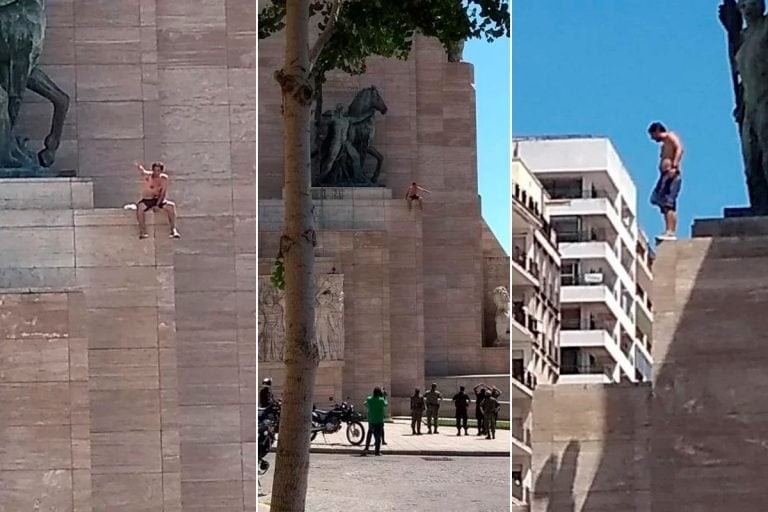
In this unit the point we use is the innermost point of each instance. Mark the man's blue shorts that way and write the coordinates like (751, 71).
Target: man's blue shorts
(666, 191)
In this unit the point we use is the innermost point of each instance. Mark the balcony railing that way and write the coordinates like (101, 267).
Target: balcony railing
(521, 433)
(524, 318)
(534, 209)
(587, 235)
(581, 369)
(519, 491)
(519, 257)
(525, 377)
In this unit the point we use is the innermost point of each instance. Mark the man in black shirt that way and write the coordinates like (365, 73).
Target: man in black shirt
(461, 400)
(266, 398)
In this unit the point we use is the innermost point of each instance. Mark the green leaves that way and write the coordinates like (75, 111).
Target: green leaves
(277, 278)
(368, 28)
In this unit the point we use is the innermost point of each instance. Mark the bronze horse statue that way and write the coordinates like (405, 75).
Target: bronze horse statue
(22, 32)
(345, 140)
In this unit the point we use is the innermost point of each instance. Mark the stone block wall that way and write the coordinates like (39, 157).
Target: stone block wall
(45, 454)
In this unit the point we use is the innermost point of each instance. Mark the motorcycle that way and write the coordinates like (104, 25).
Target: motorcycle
(330, 422)
(266, 440)
(272, 413)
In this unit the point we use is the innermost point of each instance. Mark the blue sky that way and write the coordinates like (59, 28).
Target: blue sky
(491, 61)
(608, 67)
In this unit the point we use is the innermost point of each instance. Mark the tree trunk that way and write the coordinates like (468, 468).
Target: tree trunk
(301, 358)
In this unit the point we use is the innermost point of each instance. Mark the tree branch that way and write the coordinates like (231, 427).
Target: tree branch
(317, 48)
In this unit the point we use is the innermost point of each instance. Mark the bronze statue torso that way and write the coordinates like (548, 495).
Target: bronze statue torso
(752, 63)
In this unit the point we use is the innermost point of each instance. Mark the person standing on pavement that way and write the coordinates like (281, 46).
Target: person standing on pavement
(376, 403)
(479, 397)
(417, 410)
(491, 408)
(461, 400)
(266, 398)
(432, 399)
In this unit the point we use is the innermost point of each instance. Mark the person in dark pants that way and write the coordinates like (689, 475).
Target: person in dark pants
(491, 408)
(376, 404)
(417, 410)
(480, 393)
(461, 401)
(432, 398)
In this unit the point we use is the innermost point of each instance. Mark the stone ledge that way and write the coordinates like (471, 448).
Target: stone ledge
(730, 227)
(46, 193)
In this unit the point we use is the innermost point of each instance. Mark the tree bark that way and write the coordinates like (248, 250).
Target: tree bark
(289, 488)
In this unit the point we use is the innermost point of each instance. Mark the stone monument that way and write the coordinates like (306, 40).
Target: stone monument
(501, 300)
(22, 33)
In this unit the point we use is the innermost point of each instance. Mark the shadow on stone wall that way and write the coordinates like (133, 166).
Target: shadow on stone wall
(565, 475)
(707, 447)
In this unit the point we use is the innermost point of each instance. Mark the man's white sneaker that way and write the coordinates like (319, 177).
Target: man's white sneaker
(175, 234)
(666, 237)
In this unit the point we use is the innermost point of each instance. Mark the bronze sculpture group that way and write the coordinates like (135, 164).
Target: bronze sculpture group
(22, 33)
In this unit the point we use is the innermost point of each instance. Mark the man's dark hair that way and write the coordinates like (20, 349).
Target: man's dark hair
(413, 183)
(377, 391)
(657, 127)
(159, 165)
(461, 388)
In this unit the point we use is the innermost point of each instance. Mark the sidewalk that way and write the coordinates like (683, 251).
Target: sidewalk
(400, 441)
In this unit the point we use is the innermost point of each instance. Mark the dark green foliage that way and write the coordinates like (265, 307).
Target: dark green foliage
(387, 28)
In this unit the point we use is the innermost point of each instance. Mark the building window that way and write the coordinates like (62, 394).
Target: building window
(571, 188)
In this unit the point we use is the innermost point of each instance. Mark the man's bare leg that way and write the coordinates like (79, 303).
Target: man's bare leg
(421, 205)
(409, 203)
(140, 216)
(170, 210)
(670, 218)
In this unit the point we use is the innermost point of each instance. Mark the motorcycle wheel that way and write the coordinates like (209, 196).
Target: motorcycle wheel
(355, 433)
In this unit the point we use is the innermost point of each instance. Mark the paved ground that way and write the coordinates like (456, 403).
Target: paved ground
(402, 483)
(400, 441)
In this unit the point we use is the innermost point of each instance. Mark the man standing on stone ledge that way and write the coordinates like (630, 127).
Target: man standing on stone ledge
(432, 398)
(154, 187)
(668, 187)
(413, 194)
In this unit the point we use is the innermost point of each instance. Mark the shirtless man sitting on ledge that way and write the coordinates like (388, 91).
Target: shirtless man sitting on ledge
(154, 188)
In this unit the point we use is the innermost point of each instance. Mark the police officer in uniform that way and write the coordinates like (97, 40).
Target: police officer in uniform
(417, 410)
(432, 398)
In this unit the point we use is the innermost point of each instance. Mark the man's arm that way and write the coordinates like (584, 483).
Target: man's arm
(677, 145)
(141, 169)
(423, 189)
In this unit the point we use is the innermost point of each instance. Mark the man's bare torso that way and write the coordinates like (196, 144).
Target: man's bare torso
(152, 187)
(667, 154)
(413, 191)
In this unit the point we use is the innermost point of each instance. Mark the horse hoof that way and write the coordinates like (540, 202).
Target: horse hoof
(46, 157)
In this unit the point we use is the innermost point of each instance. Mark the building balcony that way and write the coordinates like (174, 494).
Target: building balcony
(599, 342)
(523, 385)
(582, 293)
(597, 207)
(524, 326)
(520, 493)
(520, 433)
(525, 271)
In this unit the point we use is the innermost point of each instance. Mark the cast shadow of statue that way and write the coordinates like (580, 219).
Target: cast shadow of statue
(563, 472)
(706, 444)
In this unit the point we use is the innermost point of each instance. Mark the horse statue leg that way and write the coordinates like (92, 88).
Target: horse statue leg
(379, 161)
(42, 84)
(6, 145)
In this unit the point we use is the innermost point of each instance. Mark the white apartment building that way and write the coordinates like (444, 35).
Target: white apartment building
(606, 261)
(535, 317)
